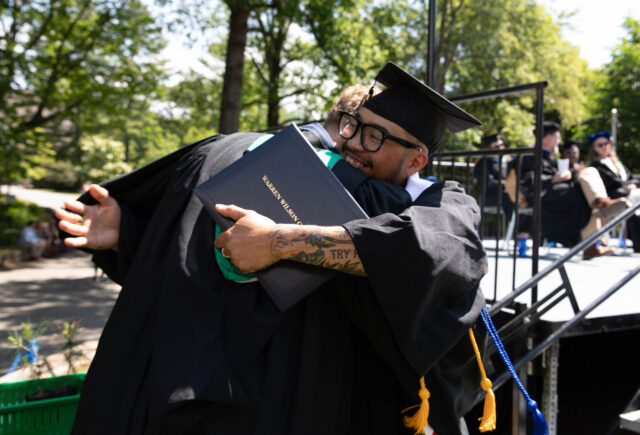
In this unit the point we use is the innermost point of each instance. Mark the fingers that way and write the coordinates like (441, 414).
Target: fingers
(221, 240)
(100, 194)
(76, 242)
(68, 216)
(73, 229)
(75, 206)
(231, 211)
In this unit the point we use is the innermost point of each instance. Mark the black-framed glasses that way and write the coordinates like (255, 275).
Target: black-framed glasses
(372, 137)
(601, 144)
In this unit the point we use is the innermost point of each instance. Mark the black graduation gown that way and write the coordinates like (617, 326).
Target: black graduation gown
(617, 188)
(186, 351)
(615, 185)
(564, 208)
(495, 174)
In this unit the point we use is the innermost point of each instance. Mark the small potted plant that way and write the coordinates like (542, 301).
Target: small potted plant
(42, 404)
(25, 351)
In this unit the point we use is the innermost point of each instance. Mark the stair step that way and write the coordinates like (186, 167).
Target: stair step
(631, 421)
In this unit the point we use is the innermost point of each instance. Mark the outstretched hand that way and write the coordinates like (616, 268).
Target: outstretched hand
(248, 242)
(94, 226)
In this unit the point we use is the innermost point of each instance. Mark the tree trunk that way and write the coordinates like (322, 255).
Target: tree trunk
(127, 148)
(234, 68)
(274, 58)
(273, 100)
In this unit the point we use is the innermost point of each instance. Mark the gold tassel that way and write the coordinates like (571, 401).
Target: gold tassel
(420, 419)
(488, 419)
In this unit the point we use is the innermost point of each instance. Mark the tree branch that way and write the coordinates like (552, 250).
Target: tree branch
(42, 30)
(293, 93)
(322, 44)
(258, 70)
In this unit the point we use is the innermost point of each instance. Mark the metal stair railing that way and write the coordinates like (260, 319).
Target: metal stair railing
(532, 314)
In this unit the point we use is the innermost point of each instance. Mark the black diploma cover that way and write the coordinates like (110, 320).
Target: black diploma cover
(285, 180)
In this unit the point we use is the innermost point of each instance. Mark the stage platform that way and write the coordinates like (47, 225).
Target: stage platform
(589, 279)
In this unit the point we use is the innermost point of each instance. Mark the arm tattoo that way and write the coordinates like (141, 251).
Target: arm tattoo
(319, 246)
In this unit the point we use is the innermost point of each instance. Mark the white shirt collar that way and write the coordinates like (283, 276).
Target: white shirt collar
(416, 185)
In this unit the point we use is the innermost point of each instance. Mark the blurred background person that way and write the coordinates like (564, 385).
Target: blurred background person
(571, 151)
(31, 241)
(495, 172)
(618, 180)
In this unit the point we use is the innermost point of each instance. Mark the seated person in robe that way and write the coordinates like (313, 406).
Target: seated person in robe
(31, 241)
(495, 172)
(571, 152)
(572, 209)
(618, 180)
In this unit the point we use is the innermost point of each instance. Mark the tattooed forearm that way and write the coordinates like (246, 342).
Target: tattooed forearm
(280, 243)
(329, 247)
(319, 239)
(316, 258)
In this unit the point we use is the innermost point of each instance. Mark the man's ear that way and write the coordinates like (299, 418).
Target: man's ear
(417, 161)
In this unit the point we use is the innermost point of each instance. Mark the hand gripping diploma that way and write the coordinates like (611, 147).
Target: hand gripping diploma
(94, 226)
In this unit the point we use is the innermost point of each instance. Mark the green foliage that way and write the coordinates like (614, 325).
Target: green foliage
(190, 112)
(619, 87)
(102, 158)
(484, 45)
(80, 82)
(69, 331)
(14, 215)
(64, 65)
(349, 46)
(59, 175)
(299, 54)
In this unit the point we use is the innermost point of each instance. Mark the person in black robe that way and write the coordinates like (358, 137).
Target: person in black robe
(495, 172)
(187, 351)
(574, 204)
(617, 179)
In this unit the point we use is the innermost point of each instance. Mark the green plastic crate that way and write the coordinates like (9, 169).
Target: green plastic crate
(42, 417)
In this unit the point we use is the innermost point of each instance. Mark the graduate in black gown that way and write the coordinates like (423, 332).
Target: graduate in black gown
(494, 170)
(564, 208)
(619, 181)
(187, 351)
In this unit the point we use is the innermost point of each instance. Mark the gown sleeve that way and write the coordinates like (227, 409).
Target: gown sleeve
(527, 176)
(424, 267)
(138, 194)
(421, 296)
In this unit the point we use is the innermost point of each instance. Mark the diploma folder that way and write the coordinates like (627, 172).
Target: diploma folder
(285, 180)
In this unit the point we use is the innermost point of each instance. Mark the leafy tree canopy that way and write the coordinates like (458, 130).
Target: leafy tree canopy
(618, 87)
(63, 63)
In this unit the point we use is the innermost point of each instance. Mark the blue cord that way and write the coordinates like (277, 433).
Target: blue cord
(30, 354)
(540, 426)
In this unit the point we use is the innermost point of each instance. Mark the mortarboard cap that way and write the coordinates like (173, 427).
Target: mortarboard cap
(489, 139)
(568, 143)
(416, 107)
(593, 136)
